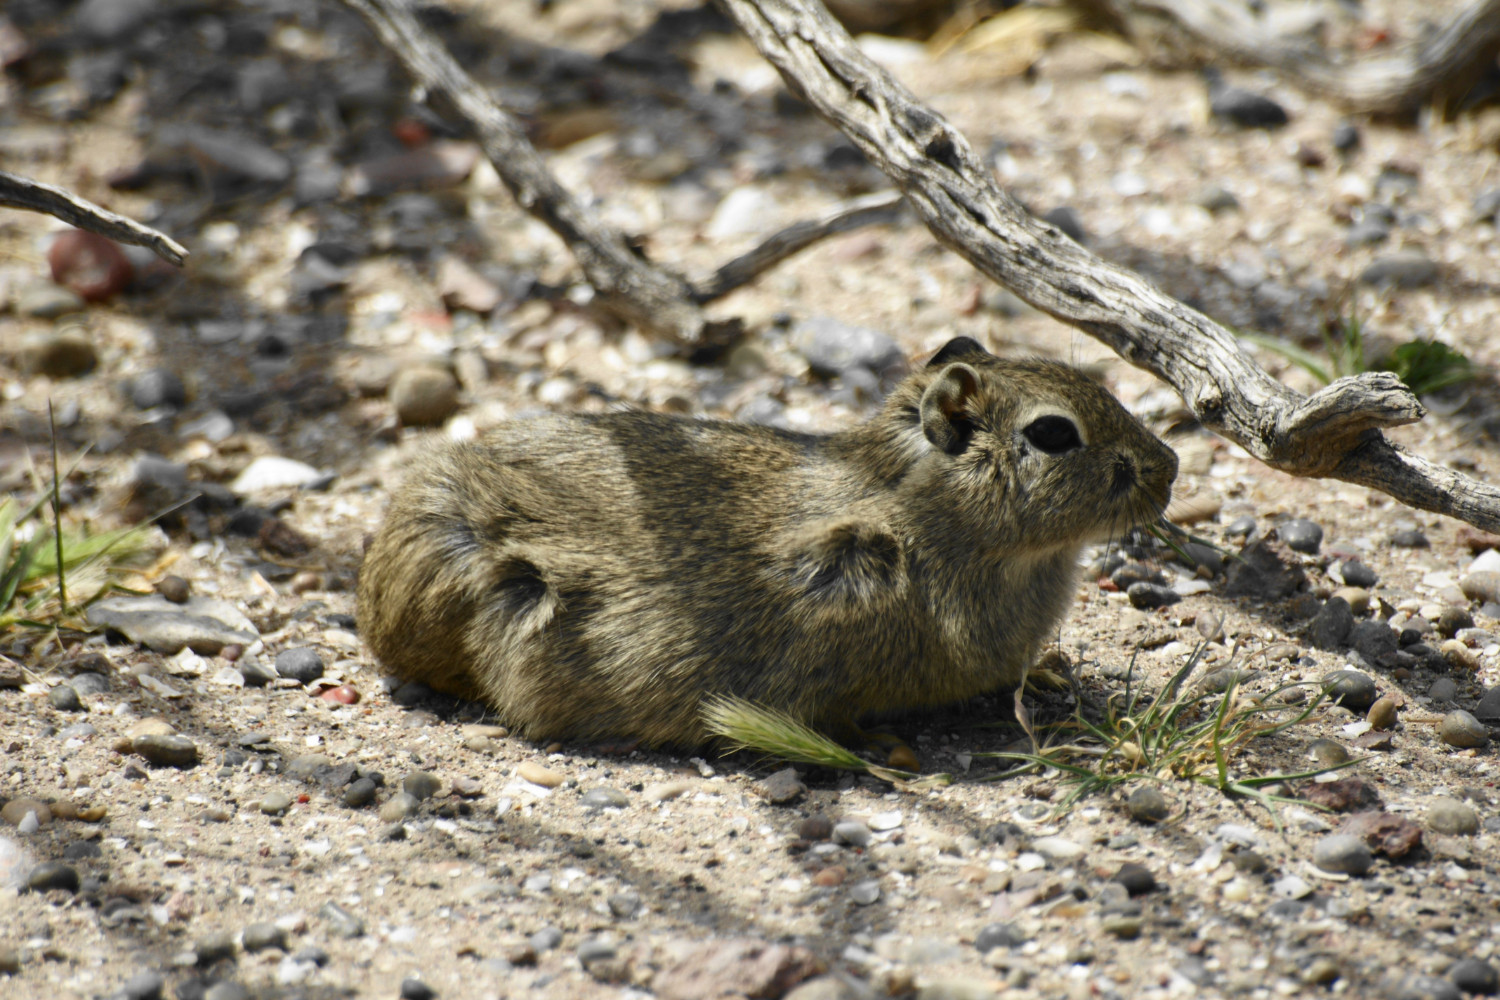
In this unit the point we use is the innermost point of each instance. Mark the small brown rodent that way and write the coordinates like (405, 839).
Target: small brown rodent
(601, 576)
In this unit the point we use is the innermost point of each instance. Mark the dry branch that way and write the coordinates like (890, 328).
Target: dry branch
(34, 196)
(630, 287)
(1437, 69)
(1336, 432)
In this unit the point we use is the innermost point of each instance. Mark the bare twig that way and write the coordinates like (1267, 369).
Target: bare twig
(1438, 68)
(794, 239)
(34, 196)
(1336, 432)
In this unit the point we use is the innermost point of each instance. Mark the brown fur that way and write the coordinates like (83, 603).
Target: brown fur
(600, 576)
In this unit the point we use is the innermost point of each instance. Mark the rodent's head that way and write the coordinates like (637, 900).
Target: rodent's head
(1031, 452)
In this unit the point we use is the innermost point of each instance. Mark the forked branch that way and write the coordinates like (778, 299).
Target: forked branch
(1336, 432)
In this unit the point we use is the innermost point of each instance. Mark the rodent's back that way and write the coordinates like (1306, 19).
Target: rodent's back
(602, 575)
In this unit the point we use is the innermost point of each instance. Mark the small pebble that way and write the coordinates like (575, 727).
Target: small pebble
(1147, 804)
(1382, 714)
(666, 791)
(625, 905)
(1345, 137)
(262, 935)
(301, 664)
(1331, 625)
(815, 828)
(90, 265)
(1403, 269)
(1460, 729)
(1474, 975)
(1301, 535)
(865, 892)
(65, 698)
(1443, 689)
(1240, 527)
(1353, 689)
(1343, 853)
(538, 775)
(605, 798)
(1357, 574)
(146, 985)
(212, 947)
(1136, 878)
(545, 939)
(998, 936)
(342, 922)
(52, 875)
(166, 750)
(1424, 987)
(1451, 817)
(421, 785)
(360, 793)
(595, 949)
(157, 387)
(275, 803)
(424, 395)
(781, 787)
(1410, 538)
(174, 589)
(853, 833)
(226, 989)
(1489, 704)
(398, 807)
(1146, 596)
(413, 988)
(1126, 927)
(1328, 753)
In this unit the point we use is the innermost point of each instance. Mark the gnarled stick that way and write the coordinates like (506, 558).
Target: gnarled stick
(1335, 433)
(632, 288)
(1439, 68)
(34, 196)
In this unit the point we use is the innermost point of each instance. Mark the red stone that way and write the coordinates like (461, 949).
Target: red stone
(89, 264)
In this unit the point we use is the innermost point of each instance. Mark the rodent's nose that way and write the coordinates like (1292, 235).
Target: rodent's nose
(1124, 478)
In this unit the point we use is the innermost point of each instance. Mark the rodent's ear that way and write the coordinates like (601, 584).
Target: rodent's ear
(956, 348)
(945, 408)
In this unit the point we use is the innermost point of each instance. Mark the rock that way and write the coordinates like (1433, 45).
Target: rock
(538, 775)
(1215, 199)
(275, 803)
(1460, 729)
(1301, 535)
(999, 935)
(1410, 538)
(1444, 689)
(1385, 833)
(1136, 878)
(1351, 688)
(1343, 853)
(272, 472)
(424, 395)
(1488, 708)
(51, 875)
(1382, 714)
(1331, 625)
(1242, 107)
(1262, 571)
(1147, 804)
(1452, 620)
(1328, 753)
(421, 785)
(461, 287)
(831, 347)
(1344, 795)
(1345, 137)
(204, 625)
(852, 832)
(255, 671)
(1240, 527)
(605, 798)
(234, 155)
(734, 967)
(262, 935)
(1484, 587)
(625, 905)
(91, 266)
(65, 698)
(1451, 817)
(816, 827)
(1422, 987)
(828, 988)
(165, 750)
(343, 923)
(67, 354)
(1367, 232)
(359, 793)
(1149, 595)
(1375, 641)
(300, 663)
(1357, 574)
(1474, 975)
(145, 985)
(157, 387)
(1404, 269)
(413, 988)
(865, 892)
(782, 787)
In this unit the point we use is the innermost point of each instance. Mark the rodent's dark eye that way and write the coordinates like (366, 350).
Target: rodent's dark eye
(1053, 434)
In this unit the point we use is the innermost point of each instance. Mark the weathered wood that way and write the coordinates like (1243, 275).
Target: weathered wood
(1335, 432)
(34, 196)
(1437, 69)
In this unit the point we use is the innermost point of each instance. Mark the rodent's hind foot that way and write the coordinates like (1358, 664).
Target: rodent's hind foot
(897, 753)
